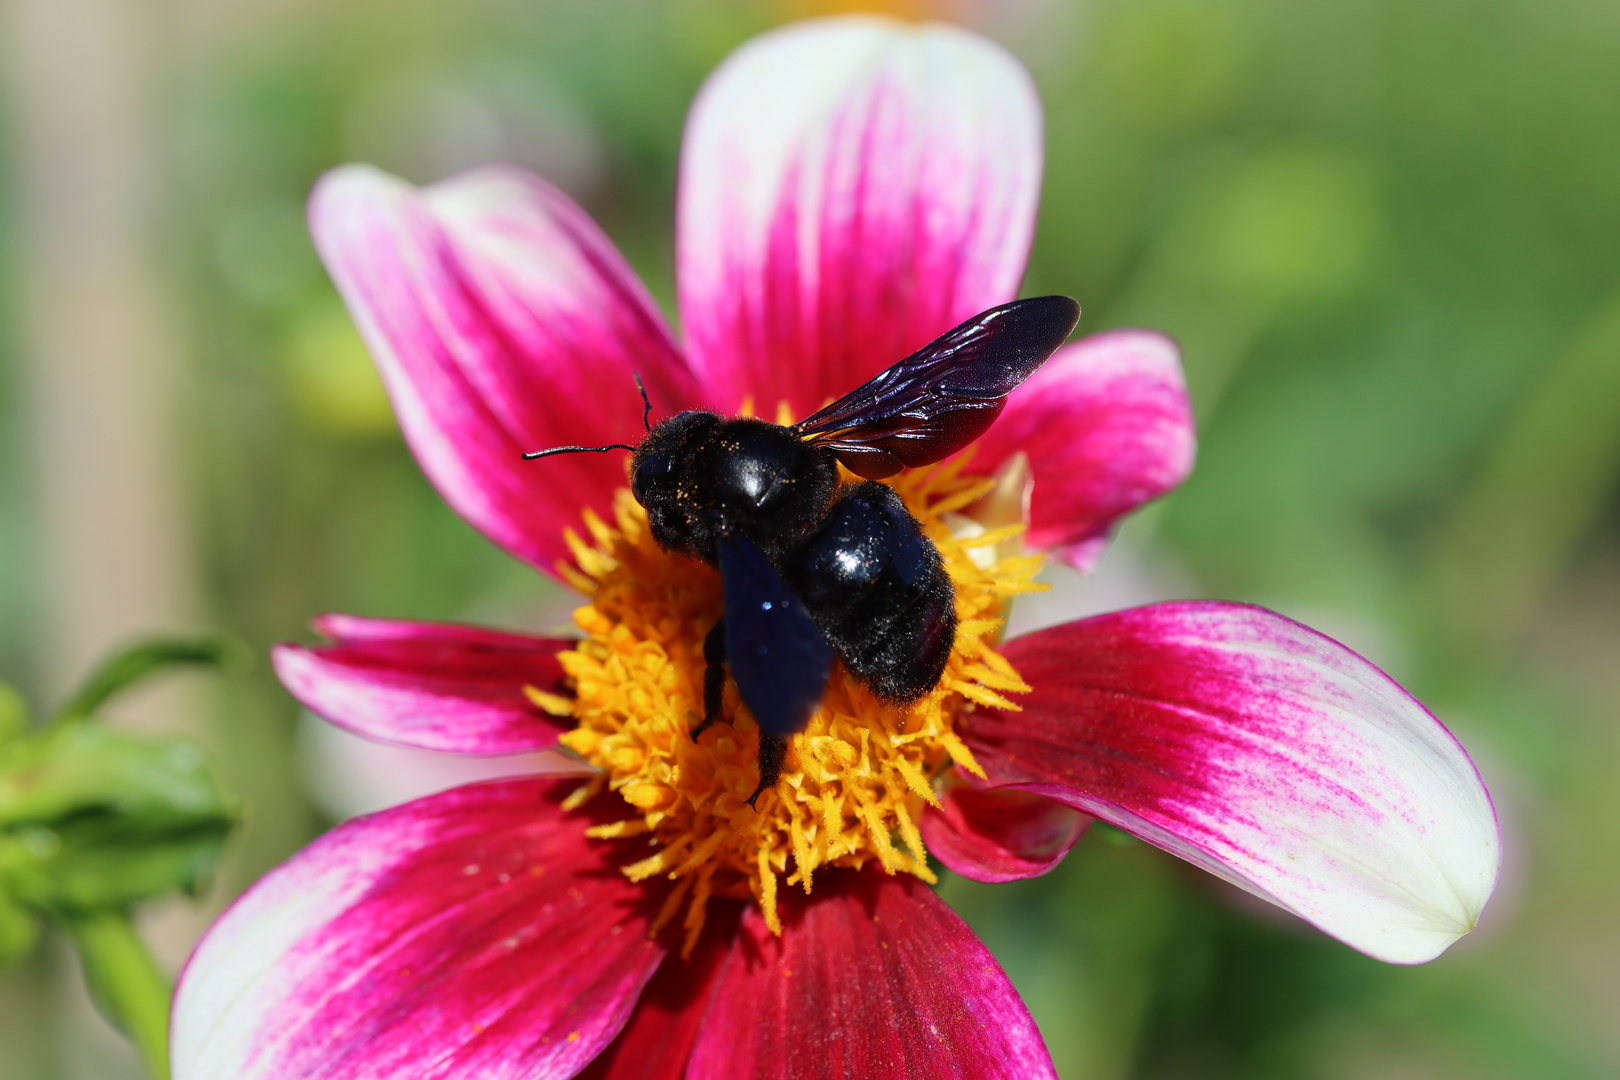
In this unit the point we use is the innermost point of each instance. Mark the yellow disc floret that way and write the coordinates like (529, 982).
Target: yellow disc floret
(853, 783)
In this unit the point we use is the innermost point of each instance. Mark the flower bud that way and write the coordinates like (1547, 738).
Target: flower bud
(96, 818)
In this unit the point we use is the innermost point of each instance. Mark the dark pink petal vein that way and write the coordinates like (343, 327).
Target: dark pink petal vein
(872, 977)
(475, 933)
(831, 222)
(1002, 835)
(1106, 425)
(657, 1041)
(502, 321)
(1264, 752)
(437, 686)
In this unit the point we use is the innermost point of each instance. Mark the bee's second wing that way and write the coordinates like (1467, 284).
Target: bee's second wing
(944, 395)
(777, 656)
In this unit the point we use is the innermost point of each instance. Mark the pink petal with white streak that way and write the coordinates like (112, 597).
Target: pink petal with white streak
(1107, 425)
(473, 933)
(502, 321)
(1004, 835)
(1263, 752)
(872, 977)
(850, 189)
(437, 686)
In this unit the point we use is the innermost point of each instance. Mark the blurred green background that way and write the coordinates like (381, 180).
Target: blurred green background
(1386, 233)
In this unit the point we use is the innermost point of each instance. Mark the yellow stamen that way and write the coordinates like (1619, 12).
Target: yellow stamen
(554, 704)
(630, 827)
(853, 783)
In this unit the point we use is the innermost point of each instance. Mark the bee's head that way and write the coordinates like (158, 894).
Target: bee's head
(701, 476)
(664, 455)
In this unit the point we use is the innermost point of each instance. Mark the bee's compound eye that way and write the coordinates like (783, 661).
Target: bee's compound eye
(651, 472)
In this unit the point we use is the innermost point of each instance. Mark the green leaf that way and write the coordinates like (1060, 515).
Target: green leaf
(147, 658)
(13, 714)
(94, 818)
(125, 982)
(99, 862)
(78, 770)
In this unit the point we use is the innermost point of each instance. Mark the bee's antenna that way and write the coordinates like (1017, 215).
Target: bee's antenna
(645, 413)
(531, 455)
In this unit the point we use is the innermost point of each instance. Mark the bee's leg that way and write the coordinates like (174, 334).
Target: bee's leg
(771, 750)
(714, 676)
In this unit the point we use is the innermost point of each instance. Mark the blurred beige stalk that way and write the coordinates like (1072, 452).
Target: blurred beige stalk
(100, 353)
(103, 374)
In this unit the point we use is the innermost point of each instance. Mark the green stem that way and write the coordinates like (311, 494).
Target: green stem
(125, 982)
(139, 661)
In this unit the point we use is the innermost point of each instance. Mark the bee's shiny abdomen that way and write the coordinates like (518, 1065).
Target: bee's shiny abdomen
(877, 589)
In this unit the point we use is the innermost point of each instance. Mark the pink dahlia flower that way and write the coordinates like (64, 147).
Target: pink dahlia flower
(849, 189)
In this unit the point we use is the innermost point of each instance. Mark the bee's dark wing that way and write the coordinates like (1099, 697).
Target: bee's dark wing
(943, 396)
(776, 654)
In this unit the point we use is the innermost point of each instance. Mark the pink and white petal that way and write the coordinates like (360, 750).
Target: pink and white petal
(850, 189)
(473, 933)
(1264, 752)
(437, 686)
(872, 977)
(1107, 426)
(1005, 835)
(502, 320)
(657, 1042)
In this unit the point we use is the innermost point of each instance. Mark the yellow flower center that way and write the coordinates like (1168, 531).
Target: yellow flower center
(853, 783)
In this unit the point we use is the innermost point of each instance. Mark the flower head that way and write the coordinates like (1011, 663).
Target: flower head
(849, 189)
(853, 781)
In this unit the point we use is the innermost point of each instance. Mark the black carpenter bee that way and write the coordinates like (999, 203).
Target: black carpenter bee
(811, 567)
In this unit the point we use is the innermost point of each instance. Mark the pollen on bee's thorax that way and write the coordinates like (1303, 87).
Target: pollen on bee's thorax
(853, 783)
